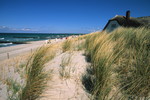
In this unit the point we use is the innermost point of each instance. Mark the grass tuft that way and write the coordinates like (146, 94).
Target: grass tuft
(67, 45)
(14, 89)
(65, 69)
(36, 76)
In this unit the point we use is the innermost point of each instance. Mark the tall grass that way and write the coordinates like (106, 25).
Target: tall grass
(67, 45)
(121, 63)
(133, 64)
(99, 51)
(36, 75)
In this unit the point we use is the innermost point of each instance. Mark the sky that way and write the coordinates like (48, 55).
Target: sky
(65, 16)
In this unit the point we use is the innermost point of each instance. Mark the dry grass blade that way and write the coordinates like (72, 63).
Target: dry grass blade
(36, 76)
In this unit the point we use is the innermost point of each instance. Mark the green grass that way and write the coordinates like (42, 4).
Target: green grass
(14, 89)
(121, 63)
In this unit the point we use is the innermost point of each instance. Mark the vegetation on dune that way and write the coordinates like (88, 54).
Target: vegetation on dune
(29, 76)
(12, 77)
(36, 76)
(80, 43)
(65, 69)
(74, 44)
(14, 89)
(120, 62)
(67, 45)
(133, 64)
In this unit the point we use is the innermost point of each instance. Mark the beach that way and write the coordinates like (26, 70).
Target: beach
(13, 51)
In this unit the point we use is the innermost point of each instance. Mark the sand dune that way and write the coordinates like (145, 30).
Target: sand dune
(68, 87)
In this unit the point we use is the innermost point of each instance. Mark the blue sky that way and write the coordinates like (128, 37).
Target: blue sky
(65, 16)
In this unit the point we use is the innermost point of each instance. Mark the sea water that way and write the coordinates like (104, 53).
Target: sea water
(11, 39)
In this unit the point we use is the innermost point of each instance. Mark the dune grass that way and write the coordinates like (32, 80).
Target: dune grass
(28, 74)
(14, 89)
(133, 63)
(65, 70)
(121, 63)
(12, 77)
(36, 75)
(67, 45)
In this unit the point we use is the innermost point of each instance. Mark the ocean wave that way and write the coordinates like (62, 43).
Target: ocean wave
(2, 38)
(26, 37)
(5, 44)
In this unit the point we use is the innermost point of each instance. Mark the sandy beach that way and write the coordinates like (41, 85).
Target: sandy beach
(13, 51)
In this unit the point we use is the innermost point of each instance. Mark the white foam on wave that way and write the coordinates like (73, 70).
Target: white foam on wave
(2, 38)
(5, 44)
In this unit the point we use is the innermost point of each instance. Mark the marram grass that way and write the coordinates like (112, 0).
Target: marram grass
(65, 70)
(36, 76)
(67, 45)
(121, 63)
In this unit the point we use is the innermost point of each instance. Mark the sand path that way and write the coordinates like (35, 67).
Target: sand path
(70, 88)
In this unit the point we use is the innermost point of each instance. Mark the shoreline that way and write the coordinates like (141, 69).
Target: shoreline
(20, 49)
(16, 50)
(17, 43)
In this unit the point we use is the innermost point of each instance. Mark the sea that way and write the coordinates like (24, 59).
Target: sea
(11, 39)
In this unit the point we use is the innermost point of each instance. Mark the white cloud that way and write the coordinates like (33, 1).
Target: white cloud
(26, 29)
(2, 27)
(91, 29)
(9, 29)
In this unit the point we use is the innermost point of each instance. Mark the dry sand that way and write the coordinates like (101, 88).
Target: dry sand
(69, 87)
(13, 51)
(19, 49)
